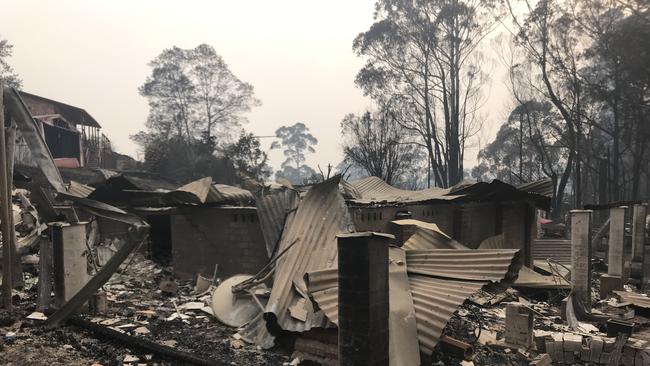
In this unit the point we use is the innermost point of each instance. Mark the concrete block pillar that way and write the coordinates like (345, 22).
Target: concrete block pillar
(519, 325)
(616, 257)
(581, 255)
(638, 232)
(363, 299)
(69, 259)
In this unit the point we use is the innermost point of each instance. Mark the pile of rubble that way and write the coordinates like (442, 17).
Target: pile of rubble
(79, 285)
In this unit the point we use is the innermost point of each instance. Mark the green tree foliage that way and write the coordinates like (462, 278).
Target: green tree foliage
(182, 162)
(248, 157)
(196, 104)
(193, 95)
(297, 142)
(7, 74)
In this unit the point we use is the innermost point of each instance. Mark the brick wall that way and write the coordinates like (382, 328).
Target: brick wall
(205, 236)
(476, 222)
(378, 219)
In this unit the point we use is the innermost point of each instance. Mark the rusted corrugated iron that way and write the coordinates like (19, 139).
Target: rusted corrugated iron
(465, 264)
(274, 210)
(320, 217)
(428, 236)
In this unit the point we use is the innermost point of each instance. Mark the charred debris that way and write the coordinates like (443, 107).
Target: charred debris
(121, 268)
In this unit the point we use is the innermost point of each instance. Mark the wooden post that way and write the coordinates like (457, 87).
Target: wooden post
(45, 275)
(13, 240)
(5, 205)
(581, 256)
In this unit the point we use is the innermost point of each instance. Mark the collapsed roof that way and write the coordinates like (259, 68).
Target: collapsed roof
(373, 190)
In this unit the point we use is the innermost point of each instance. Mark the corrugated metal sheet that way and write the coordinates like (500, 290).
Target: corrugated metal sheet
(542, 187)
(204, 191)
(493, 242)
(348, 190)
(79, 190)
(435, 301)
(323, 287)
(428, 236)
(530, 279)
(274, 209)
(634, 298)
(374, 189)
(467, 264)
(320, 217)
(402, 324)
(557, 249)
(220, 193)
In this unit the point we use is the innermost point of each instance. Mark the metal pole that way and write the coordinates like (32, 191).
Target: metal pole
(7, 283)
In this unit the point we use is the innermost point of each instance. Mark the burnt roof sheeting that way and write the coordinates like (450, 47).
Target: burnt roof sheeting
(493, 242)
(348, 190)
(542, 187)
(556, 249)
(374, 189)
(636, 299)
(402, 325)
(528, 278)
(204, 191)
(323, 287)
(30, 133)
(194, 192)
(222, 193)
(79, 190)
(465, 264)
(435, 301)
(71, 113)
(499, 191)
(274, 209)
(428, 236)
(320, 217)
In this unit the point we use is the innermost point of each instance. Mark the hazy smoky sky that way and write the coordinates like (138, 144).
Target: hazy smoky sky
(296, 53)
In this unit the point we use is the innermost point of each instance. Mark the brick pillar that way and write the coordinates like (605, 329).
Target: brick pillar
(581, 255)
(616, 241)
(519, 325)
(616, 270)
(363, 299)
